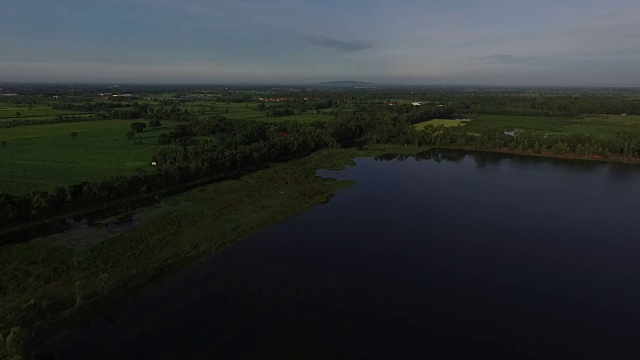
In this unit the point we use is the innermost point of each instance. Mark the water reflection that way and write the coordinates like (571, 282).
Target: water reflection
(484, 159)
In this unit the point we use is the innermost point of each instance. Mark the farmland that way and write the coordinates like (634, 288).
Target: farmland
(13, 112)
(41, 157)
(44, 156)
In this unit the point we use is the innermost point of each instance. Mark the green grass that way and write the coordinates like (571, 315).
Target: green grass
(243, 114)
(436, 122)
(41, 157)
(309, 117)
(604, 126)
(8, 111)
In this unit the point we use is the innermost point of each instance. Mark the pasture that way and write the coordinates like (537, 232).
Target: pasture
(45, 156)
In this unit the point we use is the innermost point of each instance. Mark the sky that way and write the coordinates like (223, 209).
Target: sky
(488, 42)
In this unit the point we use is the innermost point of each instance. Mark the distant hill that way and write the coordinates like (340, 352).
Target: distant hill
(347, 84)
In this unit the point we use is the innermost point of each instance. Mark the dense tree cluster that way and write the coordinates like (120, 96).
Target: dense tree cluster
(15, 209)
(129, 111)
(279, 110)
(393, 128)
(53, 120)
(219, 145)
(87, 106)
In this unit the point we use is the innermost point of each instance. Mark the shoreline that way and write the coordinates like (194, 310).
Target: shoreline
(54, 224)
(217, 216)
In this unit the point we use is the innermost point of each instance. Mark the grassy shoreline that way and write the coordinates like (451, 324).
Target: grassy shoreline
(205, 221)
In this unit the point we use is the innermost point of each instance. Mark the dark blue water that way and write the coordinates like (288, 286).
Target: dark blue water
(449, 256)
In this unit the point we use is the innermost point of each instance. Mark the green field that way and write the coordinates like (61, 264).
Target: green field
(41, 157)
(436, 122)
(299, 118)
(603, 126)
(9, 112)
(244, 114)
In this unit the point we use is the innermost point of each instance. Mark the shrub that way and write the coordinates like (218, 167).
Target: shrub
(15, 345)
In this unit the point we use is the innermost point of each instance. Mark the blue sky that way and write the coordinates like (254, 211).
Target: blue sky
(495, 42)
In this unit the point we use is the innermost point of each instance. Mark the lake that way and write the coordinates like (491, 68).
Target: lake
(442, 255)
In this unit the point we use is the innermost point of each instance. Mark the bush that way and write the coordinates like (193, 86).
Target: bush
(15, 345)
(74, 134)
(138, 126)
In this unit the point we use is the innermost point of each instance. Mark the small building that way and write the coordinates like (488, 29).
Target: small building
(416, 103)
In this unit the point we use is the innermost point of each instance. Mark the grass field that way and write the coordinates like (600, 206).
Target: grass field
(9, 112)
(603, 126)
(436, 122)
(41, 157)
(299, 118)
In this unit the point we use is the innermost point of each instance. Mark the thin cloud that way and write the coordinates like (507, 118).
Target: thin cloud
(356, 45)
(583, 59)
(520, 60)
(539, 61)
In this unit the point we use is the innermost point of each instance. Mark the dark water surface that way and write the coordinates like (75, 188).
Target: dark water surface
(480, 256)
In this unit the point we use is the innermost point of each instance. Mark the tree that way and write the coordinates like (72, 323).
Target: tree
(4, 143)
(131, 135)
(18, 114)
(74, 134)
(154, 123)
(138, 126)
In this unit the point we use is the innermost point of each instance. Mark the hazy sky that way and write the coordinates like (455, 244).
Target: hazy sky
(501, 42)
